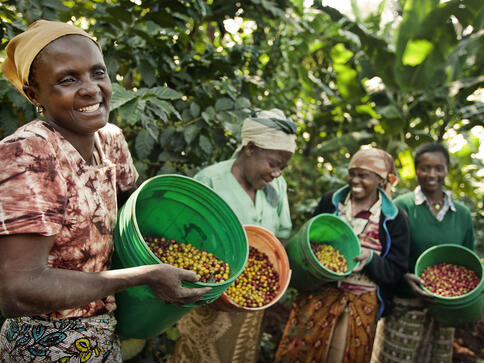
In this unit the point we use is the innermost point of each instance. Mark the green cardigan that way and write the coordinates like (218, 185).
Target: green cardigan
(426, 231)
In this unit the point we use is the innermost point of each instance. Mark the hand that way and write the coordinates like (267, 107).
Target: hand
(414, 282)
(362, 258)
(166, 283)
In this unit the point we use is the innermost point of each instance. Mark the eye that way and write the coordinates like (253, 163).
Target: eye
(66, 81)
(100, 73)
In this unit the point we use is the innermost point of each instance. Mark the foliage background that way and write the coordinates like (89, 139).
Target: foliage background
(186, 72)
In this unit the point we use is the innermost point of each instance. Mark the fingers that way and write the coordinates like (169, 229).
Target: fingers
(188, 275)
(184, 295)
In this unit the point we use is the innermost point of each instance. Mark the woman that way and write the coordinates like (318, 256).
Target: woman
(59, 180)
(435, 218)
(337, 322)
(252, 184)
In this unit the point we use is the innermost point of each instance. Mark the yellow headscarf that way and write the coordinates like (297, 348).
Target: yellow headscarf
(22, 49)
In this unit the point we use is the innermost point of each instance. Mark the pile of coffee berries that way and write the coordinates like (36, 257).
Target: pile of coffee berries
(449, 280)
(257, 285)
(330, 257)
(184, 255)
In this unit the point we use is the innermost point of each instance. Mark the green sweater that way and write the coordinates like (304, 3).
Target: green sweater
(426, 231)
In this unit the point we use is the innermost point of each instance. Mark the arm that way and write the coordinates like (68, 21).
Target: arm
(28, 286)
(325, 204)
(390, 269)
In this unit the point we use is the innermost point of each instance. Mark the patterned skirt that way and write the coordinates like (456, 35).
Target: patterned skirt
(410, 335)
(208, 335)
(310, 333)
(36, 339)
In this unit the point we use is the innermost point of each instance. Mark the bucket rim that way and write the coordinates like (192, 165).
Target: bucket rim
(225, 299)
(453, 298)
(308, 242)
(202, 186)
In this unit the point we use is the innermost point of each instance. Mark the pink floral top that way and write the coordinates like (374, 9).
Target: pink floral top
(47, 188)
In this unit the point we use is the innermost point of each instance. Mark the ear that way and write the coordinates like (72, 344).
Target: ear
(250, 148)
(31, 93)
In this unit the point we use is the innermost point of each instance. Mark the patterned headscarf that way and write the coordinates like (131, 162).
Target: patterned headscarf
(378, 161)
(22, 49)
(270, 130)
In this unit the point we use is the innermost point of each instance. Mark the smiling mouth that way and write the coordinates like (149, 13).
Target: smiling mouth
(89, 108)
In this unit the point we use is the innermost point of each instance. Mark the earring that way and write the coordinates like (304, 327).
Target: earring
(39, 108)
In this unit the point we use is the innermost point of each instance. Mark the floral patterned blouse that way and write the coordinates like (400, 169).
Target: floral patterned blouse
(47, 188)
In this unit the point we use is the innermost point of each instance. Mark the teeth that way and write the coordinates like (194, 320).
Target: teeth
(89, 108)
(357, 189)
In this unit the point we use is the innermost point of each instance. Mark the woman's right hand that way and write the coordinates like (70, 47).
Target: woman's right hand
(166, 283)
(414, 282)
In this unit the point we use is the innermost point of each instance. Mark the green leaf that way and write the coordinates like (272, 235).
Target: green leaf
(172, 157)
(150, 126)
(241, 103)
(131, 112)
(346, 141)
(120, 96)
(416, 52)
(191, 132)
(205, 145)
(390, 111)
(223, 104)
(166, 106)
(161, 92)
(147, 72)
(166, 135)
(194, 109)
(144, 144)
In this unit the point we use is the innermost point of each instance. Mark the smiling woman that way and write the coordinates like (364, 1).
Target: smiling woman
(337, 322)
(253, 186)
(60, 180)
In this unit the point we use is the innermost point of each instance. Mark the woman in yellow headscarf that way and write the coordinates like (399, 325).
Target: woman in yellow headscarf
(59, 183)
(252, 184)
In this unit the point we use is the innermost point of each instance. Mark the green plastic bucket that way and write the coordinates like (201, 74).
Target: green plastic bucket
(307, 272)
(454, 311)
(179, 207)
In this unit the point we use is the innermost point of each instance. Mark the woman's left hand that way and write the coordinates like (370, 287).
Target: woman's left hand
(362, 258)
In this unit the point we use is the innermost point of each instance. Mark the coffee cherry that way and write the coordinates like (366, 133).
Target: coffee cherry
(449, 280)
(186, 256)
(330, 257)
(258, 284)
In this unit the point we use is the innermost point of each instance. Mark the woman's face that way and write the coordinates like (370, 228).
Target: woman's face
(264, 165)
(431, 169)
(72, 84)
(363, 183)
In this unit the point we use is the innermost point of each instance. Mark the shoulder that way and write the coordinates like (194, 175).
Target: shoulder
(461, 208)
(110, 132)
(35, 138)
(218, 169)
(405, 200)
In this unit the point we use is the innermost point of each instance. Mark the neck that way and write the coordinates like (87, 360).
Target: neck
(434, 196)
(238, 172)
(358, 205)
(83, 143)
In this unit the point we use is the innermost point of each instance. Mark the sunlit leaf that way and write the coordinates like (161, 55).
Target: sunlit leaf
(416, 52)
